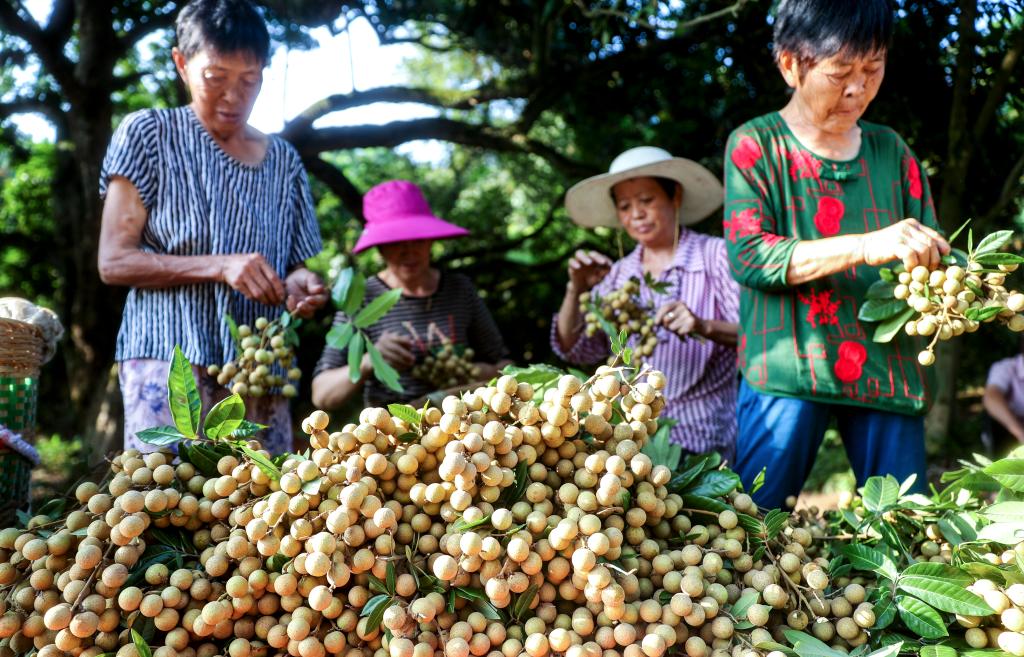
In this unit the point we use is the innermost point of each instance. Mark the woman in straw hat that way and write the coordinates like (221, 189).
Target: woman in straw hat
(654, 196)
(436, 307)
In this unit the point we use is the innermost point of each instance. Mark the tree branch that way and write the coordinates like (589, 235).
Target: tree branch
(997, 92)
(62, 21)
(45, 105)
(1012, 187)
(393, 94)
(338, 183)
(505, 246)
(399, 132)
(144, 26)
(50, 53)
(420, 40)
(679, 28)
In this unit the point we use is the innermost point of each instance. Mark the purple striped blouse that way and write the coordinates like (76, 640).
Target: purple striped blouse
(702, 379)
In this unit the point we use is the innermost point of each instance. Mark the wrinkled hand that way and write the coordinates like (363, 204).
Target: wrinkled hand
(587, 268)
(910, 241)
(677, 317)
(306, 292)
(250, 274)
(395, 349)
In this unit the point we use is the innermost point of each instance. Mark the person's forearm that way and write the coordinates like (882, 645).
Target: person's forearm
(814, 259)
(332, 388)
(724, 333)
(488, 371)
(996, 406)
(135, 268)
(570, 320)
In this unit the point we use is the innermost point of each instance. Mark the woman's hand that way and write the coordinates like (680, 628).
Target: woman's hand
(586, 269)
(395, 349)
(306, 292)
(250, 274)
(677, 317)
(910, 241)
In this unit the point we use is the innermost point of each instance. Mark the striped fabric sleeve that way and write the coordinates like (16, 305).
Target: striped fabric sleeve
(132, 155)
(306, 241)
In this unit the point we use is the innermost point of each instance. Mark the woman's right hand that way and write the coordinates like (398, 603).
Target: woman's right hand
(396, 350)
(587, 269)
(252, 275)
(909, 241)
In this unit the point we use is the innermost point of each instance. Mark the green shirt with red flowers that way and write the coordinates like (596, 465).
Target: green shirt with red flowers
(805, 341)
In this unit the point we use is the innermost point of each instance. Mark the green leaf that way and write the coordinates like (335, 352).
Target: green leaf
(881, 493)
(661, 450)
(375, 617)
(233, 330)
(717, 483)
(356, 295)
(999, 259)
(891, 650)
(1008, 472)
(340, 335)
(377, 308)
(878, 310)
(140, 645)
(1007, 533)
(982, 314)
(881, 290)
(993, 242)
(247, 429)
(938, 651)
(970, 240)
(391, 577)
(261, 462)
(312, 487)
(944, 594)
(885, 612)
(339, 293)
(701, 503)
(887, 330)
(694, 468)
(1004, 512)
(462, 525)
(745, 602)
(538, 376)
(382, 370)
(489, 611)
(160, 436)
(355, 357)
(758, 481)
(377, 586)
(225, 416)
(806, 645)
(956, 233)
(406, 413)
(523, 602)
(887, 275)
(866, 558)
(183, 395)
(920, 618)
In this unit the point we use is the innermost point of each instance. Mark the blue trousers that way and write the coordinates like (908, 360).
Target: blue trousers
(784, 434)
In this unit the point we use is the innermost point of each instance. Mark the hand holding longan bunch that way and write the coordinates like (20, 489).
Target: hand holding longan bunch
(622, 310)
(447, 367)
(954, 300)
(250, 373)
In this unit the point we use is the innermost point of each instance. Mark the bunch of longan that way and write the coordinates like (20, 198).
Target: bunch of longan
(954, 300)
(447, 367)
(624, 311)
(251, 373)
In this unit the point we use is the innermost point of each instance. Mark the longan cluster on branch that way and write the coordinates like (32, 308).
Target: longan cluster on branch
(250, 373)
(621, 310)
(447, 367)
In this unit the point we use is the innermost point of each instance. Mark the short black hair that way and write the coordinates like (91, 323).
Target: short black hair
(224, 26)
(814, 30)
(666, 184)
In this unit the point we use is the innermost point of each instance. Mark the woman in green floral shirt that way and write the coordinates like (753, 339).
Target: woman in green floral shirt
(816, 200)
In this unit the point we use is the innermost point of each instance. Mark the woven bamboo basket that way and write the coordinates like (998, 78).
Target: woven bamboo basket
(21, 355)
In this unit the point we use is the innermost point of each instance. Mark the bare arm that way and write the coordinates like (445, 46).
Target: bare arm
(332, 388)
(995, 404)
(909, 241)
(122, 262)
(586, 269)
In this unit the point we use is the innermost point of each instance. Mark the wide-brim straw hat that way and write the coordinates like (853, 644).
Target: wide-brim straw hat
(397, 211)
(589, 202)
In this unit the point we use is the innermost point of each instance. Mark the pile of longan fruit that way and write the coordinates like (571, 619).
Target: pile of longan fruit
(944, 297)
(624, 311)
(447, 367)
(512, 523)
(251, 373)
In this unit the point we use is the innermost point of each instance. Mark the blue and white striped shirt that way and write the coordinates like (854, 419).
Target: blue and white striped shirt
(202, 201)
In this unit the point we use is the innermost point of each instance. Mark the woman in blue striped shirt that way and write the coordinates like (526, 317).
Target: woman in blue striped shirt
(205, 216)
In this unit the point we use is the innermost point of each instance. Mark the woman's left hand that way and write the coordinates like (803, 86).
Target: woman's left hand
(677, 317)
(306, 292)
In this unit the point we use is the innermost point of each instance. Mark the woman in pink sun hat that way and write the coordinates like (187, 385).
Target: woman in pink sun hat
(437, 307)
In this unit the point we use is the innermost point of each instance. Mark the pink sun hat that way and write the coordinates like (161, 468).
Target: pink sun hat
(397, 211)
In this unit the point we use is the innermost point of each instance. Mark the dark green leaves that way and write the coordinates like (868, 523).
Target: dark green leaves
(381, 370)
(339, 336)
(262, 462)
(406, 413)
(140, 645)
(877, 310)
(880, 493)
(661, 450)
(887, 330)
(983, 314)
(355, 357)
(160, 436)
(374, 610)
(943, 587)
(349, 291)
(224, 418)
(183, 395)
(717, 483)
(1009, 473)
(869, 559)
(920, 618)
(992, 243)
(377, 308)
